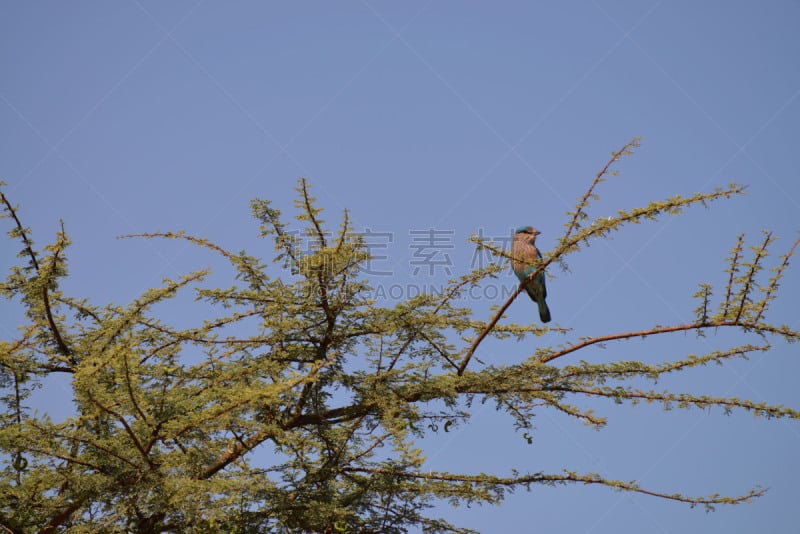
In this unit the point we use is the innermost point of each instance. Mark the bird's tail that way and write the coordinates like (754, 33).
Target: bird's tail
(544, 311)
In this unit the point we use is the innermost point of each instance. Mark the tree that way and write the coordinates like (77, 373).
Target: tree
(302, 366)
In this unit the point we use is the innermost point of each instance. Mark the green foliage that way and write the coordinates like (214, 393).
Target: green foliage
(303, 368)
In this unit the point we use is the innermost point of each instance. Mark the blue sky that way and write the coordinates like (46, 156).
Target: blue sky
(133, 116)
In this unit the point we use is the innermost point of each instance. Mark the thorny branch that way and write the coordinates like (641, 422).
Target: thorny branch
(60, 343)
(552, 479)
(569, 243)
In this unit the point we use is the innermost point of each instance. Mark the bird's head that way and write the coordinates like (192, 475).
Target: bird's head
(527, 231)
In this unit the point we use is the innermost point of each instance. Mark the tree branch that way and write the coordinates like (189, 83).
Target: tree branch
(493, 483)
(60, 343)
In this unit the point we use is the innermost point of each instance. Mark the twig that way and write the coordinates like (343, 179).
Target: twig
(62, 346)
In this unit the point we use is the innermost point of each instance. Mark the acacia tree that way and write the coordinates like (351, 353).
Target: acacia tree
(171, 425)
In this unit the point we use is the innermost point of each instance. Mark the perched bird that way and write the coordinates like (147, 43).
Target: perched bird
(525, 253)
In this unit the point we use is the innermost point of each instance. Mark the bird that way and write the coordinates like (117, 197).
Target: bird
(524, 254)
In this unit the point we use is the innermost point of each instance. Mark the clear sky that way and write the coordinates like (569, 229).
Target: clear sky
(456, 117)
